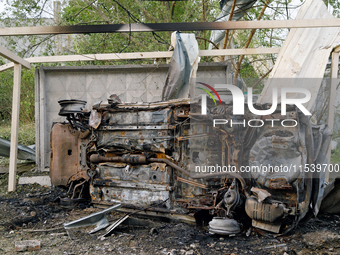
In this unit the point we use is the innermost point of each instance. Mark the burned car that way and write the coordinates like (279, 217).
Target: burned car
(231, 173)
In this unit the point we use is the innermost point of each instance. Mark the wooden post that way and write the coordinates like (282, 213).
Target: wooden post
(14, 128)
(331, 105)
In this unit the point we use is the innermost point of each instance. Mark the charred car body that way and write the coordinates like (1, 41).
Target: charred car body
(139, 154)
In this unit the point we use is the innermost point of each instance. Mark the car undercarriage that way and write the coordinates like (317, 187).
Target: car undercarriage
(172, 162)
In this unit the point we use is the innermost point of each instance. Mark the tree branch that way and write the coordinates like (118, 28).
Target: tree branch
(146, 13)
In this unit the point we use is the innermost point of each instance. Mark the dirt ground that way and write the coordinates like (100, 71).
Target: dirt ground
(34, 213)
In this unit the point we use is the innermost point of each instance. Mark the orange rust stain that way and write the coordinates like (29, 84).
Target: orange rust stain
(110, 154)
(160, 155)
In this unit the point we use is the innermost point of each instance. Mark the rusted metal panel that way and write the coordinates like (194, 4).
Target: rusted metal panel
(64, 156)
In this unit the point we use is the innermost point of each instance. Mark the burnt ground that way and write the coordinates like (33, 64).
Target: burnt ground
(34, 213)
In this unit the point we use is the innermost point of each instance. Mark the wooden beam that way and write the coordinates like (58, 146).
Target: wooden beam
(6, 66)
(331, 105)
(336, 49)
(102, 57)
(14, 128)
(235, 52)
(14, 58)
(141, 55)
(154, 27)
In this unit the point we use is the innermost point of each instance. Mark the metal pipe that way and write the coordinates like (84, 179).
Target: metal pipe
(126, 158)
(168, 162)
(235, 175)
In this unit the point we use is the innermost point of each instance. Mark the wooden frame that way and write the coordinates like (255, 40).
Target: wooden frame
(141, 55)
(14, 128)
(14, 58)
(154, 27)
(230, 25)
(336, 49)
(18, 62)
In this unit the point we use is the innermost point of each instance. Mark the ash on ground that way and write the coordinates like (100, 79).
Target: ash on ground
(35, 213)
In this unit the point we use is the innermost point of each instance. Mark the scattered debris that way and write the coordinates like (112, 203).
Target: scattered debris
(153, 231)
(97, 219)
(260, 193)
(125, 217)
(42, 230)
(134, 239)
(24, 152)
(331, 199)
(275, 246)
(27, 245)
(321, 239)
(38, 194)
(114, 225)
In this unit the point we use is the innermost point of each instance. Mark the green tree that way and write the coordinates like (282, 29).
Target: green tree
(88, 12)
(79, 12)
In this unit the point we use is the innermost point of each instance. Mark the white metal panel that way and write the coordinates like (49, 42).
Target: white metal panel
(132, 83)
(303, 57)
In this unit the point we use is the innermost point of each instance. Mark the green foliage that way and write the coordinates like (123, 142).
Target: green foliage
(26, 95)
(336, 7)
(262, 37)
(23, 13)
(132, 11)
(23, 9)
(6, 86)
(27, 106)
(335, 156)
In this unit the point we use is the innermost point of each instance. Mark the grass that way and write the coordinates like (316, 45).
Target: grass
(26, 132)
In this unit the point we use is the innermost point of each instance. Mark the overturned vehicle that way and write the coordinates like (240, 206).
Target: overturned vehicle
(229, 172)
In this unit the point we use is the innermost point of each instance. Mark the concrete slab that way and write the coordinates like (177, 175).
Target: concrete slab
(42, 180)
